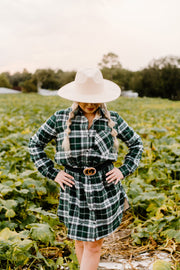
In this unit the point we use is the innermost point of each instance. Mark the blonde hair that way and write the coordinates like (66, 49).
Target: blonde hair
(65, 143)
(111, 124)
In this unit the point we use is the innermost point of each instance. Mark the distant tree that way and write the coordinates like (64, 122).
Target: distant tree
(135, 82)
(28, 86)
(160, 79)
(111, 68)
(120, 76)
(165, 61)
(110, 60)
(47, 79)
(17, 78)
(170, 79)
(4, 81)
(123, 78)
(8, 75)
(67, 77)
(59, 76)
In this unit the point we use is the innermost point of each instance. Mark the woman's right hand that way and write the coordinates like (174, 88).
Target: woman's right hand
(64, 178)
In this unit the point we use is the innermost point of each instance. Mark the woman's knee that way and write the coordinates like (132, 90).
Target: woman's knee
(93, 247)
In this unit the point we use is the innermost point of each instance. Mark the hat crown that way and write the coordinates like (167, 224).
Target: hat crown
(89, 73)
(89, 81)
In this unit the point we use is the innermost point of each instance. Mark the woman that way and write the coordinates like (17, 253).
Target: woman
(92, 199)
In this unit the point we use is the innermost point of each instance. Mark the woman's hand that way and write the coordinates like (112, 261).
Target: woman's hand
(64, 178)
(114, 175)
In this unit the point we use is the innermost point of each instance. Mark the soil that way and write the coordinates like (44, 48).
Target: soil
(119, 252)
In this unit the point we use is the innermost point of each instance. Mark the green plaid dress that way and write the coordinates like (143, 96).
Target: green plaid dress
(92, 208)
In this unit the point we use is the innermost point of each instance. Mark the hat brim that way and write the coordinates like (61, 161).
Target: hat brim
(110, 92)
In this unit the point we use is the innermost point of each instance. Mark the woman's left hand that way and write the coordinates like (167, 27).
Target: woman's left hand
(114, 175)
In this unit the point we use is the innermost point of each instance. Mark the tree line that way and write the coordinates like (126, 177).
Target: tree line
(161, 78)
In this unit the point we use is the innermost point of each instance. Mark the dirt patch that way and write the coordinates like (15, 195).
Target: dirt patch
(119, 252)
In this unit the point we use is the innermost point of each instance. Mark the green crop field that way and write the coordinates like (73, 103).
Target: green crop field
(31, 236)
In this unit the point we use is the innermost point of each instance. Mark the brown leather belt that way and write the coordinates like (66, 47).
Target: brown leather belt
(89, 170)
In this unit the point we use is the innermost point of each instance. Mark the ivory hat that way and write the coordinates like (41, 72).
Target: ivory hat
(90, 87)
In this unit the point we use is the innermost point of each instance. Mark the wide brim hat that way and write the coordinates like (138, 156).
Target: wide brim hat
(90, 87)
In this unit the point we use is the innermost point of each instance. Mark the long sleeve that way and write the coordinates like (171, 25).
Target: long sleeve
(134, 144)
(37, 143)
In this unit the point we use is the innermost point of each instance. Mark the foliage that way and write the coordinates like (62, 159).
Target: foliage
(47, 78)
(4, 81)
(120, 76)
(19, 77)
(28, 86)
(50, 79)
(28, 202)
(110, 60)
(161, 78)
(161, 265)
(26, 197)
(156, 82)
(165, 62)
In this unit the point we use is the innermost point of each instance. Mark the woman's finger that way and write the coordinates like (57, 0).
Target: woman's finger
(65, 181)
(65, 178)
(68, 183)
(62, 186)
(110, 176)
(64, 175)
(117, 181)
(68, 175)
(110, 172)
(114, 175)
(113, 178)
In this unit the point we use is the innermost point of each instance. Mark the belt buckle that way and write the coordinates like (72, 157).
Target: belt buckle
(89, 171)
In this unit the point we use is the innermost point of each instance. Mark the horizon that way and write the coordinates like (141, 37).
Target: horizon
(69, 35)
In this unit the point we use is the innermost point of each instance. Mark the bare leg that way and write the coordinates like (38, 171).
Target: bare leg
(79, 247)
(91, 255)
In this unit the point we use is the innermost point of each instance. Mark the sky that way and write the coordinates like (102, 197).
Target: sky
(71, 34)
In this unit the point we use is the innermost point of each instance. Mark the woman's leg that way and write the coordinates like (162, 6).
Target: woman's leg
(79, 247)
(91, 255)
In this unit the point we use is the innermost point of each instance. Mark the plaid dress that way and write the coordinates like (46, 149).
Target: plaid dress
(92, 208)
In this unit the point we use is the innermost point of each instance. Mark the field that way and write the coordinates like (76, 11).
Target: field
(31, 236)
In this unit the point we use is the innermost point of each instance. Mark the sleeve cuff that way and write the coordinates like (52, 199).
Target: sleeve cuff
(52, 173)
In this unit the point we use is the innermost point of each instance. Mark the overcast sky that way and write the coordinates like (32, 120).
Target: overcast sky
(69, 34)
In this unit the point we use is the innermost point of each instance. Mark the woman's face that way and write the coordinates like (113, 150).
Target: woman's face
(89, 108)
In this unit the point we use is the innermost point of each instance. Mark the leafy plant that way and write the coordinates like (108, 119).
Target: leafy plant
(28, 202)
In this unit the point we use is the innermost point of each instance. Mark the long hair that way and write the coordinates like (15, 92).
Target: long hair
(65, 143)
(111, 124)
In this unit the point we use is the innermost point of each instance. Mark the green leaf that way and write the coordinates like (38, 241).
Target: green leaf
(60, 261)
(8, 204)
(42, 233)
(6, 234)
(171, 233)
(161, 265)
(5, 189)
(10, 213)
